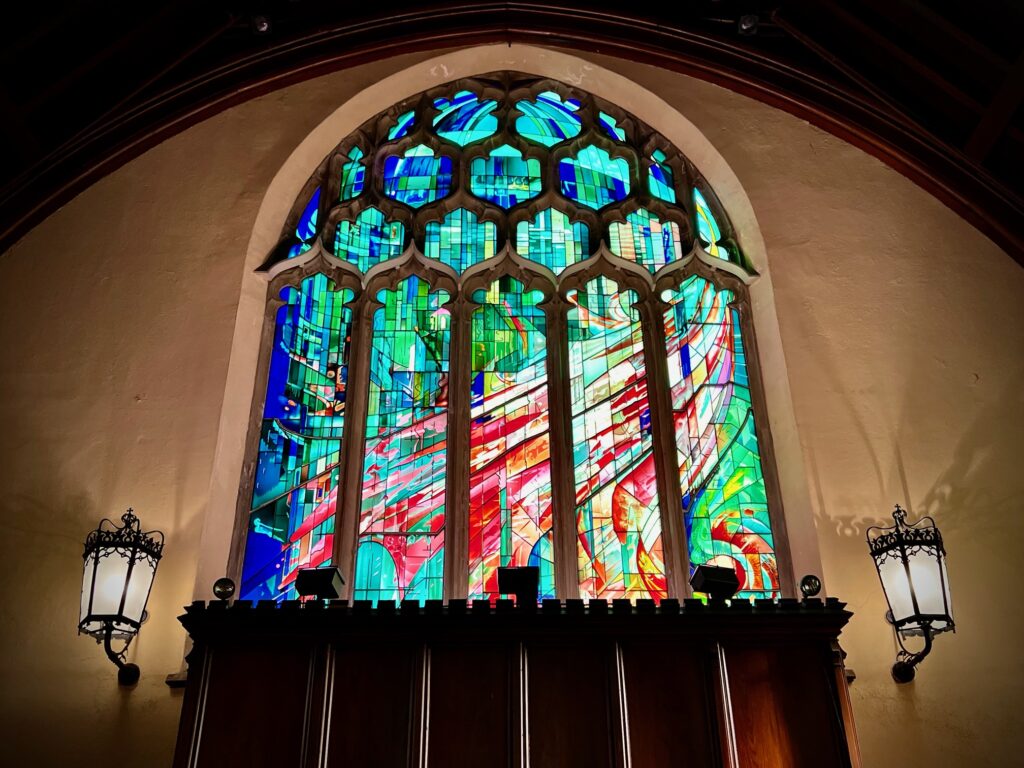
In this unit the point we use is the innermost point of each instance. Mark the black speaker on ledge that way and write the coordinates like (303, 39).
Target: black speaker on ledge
(522, 581)
(322, 583)
(715, 581)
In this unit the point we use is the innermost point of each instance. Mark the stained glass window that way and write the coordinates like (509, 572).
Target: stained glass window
(519, 184)
(460, 241)
(611, 127)
(402, 125)
(353, 175)
(510, 467)
(593, 178)
(724, 499)
(551, 240)
(505, 178)
(400, 551)
(707, 228)
(306, 229)
(618, 524)
(417, 178)
(548, 120)
(369, 239)
(464, 118)
(295, 491)
(659, 177)
(645, 240)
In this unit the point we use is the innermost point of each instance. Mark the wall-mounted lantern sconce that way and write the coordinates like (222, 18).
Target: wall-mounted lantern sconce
(120, 564)
(911, 563)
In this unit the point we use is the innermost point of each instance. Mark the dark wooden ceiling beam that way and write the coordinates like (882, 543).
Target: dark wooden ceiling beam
(371, 34)
(999, 113)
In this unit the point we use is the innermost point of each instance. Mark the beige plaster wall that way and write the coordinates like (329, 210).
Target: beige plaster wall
(903, 330)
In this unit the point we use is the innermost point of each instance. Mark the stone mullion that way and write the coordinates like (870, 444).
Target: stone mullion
(563, 487)
(350, 495)
(456, 558)
(666, 463)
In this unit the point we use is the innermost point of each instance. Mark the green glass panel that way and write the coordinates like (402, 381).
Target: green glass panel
(369, 240)
(548, 120)
(707, 228)
(353, 175)
(465, 119)
(460, 241)
(593, 178)
(400, 538)
(504, 177)
(550, 239)
(645, 240)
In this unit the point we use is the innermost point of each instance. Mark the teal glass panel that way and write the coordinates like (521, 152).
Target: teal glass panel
(725, 504)
(402, 125)
(551, 240)
(611, 126)
(306, 229)
(418, 177)
(707, 228)
(505, 178)
(618, 533)
(593, 178)
(296, 482)
(645, 240)
(353, 175)
(369, 240)
(460, 241)
(465, 119)
(548, 120)
(659, 178)
(400, 538)
(509, 448)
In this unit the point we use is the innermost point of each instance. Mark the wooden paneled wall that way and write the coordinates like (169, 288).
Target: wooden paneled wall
(561, 686)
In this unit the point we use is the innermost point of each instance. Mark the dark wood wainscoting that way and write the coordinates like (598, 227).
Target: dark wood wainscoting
(561, 685)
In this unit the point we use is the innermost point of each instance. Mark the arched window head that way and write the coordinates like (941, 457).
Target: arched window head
(508, 326)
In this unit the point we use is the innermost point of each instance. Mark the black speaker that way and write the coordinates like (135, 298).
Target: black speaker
(322, 583)
(715, 581)
(522, 581)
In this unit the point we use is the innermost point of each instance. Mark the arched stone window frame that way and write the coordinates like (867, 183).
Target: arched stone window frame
(796, 543)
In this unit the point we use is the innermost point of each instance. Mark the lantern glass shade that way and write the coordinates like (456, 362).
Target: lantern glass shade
(120, 565)
(911, 564)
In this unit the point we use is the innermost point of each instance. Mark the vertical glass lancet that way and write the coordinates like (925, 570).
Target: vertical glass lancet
(400, 548)
(295, 491)
(617, 513)
(725, 504)
(509, 465)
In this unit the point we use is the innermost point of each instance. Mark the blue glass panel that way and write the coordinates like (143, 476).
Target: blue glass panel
(659, 178)
(418, 177)
(645, 240)
(548, 120)
(465, 119)
(611, 127)
(402, 125)
(593, 178)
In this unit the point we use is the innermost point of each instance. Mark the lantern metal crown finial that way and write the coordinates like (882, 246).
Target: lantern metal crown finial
(911, 563)
(120, 564)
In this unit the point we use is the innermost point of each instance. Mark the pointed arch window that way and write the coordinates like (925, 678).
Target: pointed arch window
(509, 325)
